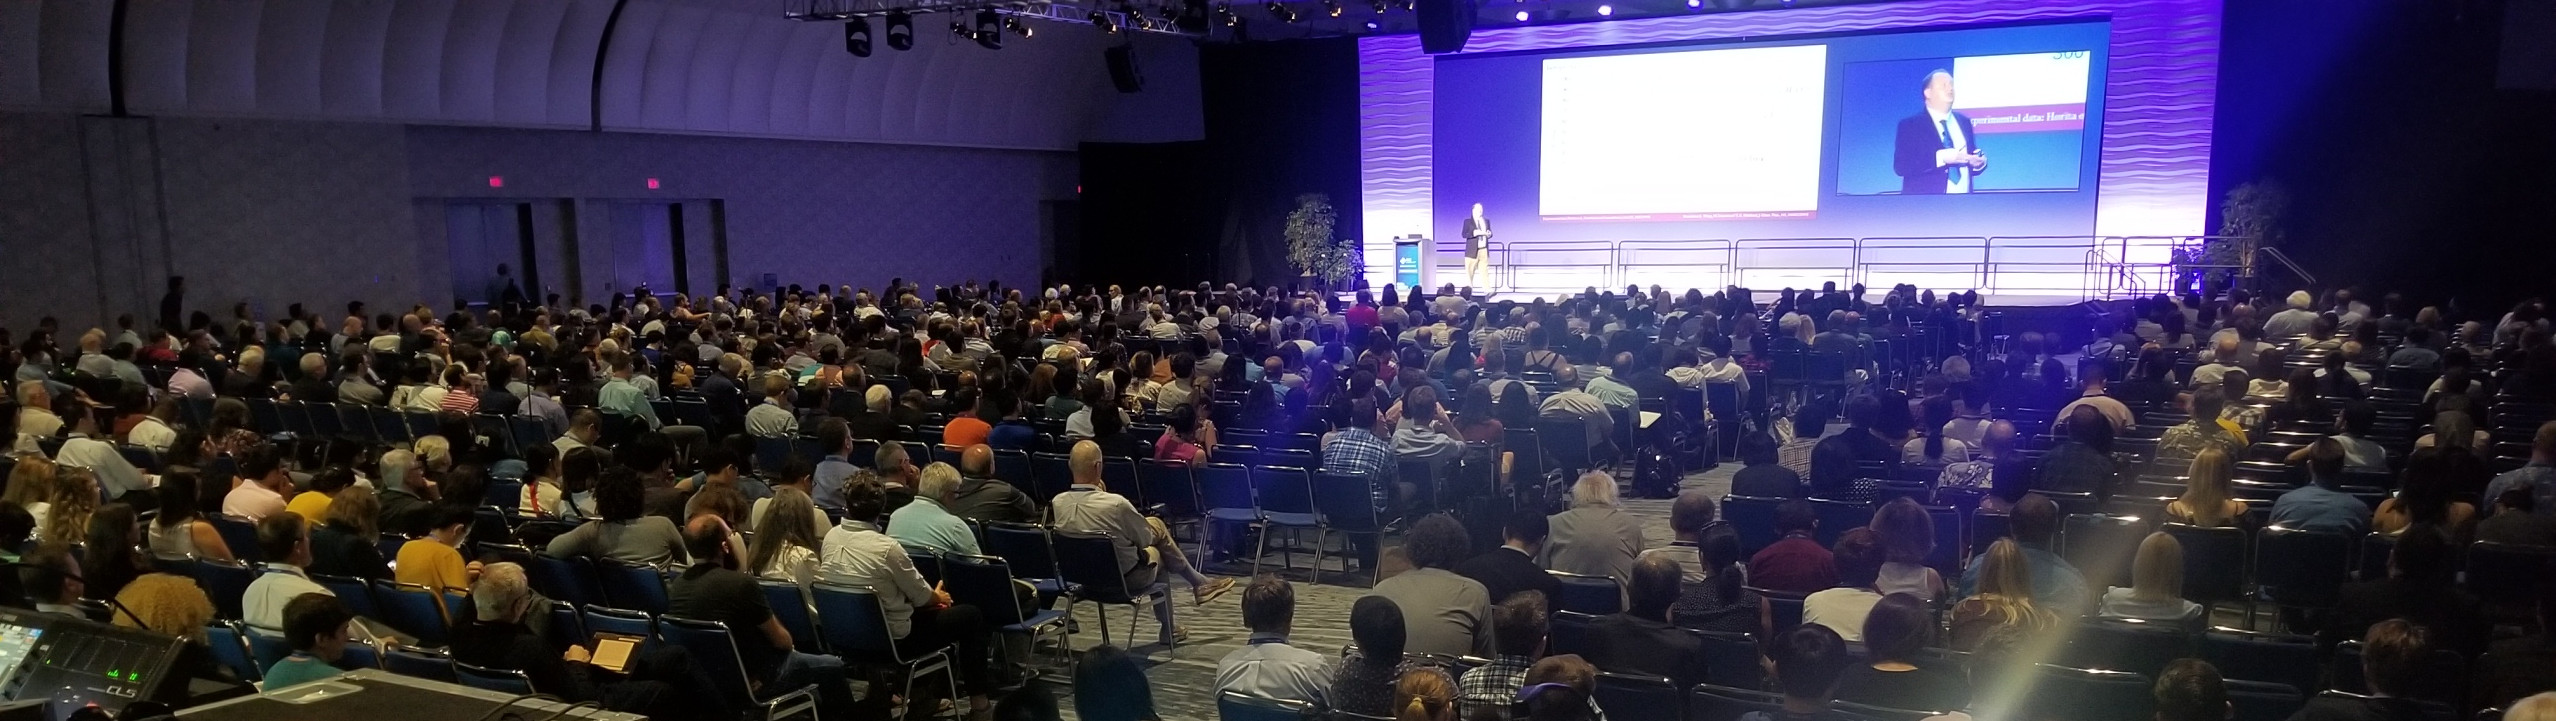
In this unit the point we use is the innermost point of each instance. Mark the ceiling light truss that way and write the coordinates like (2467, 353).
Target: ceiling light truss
(1152, 16)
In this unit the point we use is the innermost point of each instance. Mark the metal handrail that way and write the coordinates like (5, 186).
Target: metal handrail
(2284, 258)
(2100, 271)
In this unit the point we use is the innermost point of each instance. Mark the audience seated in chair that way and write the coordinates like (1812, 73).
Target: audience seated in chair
(1907, 538)
(1509, 570)
(1109, 685)
(1842, 609)
(2156, 588)
(2516, 521)
(2190, 689)
(1760, 475)
(2055, 585)
(1558, 688)
(2208, 501)
(1364, 683)
(497, 637)
(2393, 656)
(926, 524)
(1518, 625)
(1267, 666)
(712, 589)
(1641, 639)
(2420, 588)
(621, 530)
(1796, 563)
(1595, 537)
(1145, 545)
(982, 497)
(2002, 671)
(921, 618)
(316, 625)
(1834, 461)
(2426, 496)
(1443, 612)
(2083, 462)
(2005, 596)
(1896, 632)
(1424, 693)
(1808, 662)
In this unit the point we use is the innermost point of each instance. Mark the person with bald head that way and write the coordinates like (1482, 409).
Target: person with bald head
(1145, 545)
(982, 497)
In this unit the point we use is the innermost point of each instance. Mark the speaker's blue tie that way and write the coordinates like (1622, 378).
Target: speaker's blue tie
(1944, 129)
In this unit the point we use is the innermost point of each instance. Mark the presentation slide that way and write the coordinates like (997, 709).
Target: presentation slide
(2023, 115)
(1702, 162)
(1960, 132)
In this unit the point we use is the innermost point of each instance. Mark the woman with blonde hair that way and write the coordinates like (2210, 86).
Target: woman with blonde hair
(75, 498)
(31, 486)
(2004, 598)
(2156, 587)
(785, 543)
(1424, 694)
(2208, 500)
(435, 454)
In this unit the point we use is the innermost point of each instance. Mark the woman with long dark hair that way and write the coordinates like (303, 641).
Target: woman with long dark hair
(1934, 449)
(1722, 602)
(1478, 419)
(180, 529)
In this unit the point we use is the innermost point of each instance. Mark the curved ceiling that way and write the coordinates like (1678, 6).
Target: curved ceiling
(686, 66)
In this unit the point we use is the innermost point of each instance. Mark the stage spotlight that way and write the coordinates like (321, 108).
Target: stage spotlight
(900, 30)
(1693, 4)
(989, 29)
(1606, 11)
(1522, 16)
(1381, 6)
(856, 37)
(1331, 8)
(1142, 23)
(1101, 20)
(1016, 27)
(1373, 25)
(1225, 14)
(1280, 11)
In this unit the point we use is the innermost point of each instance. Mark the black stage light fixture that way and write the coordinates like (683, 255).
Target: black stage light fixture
(1331, 8)
(989, 29)
(1381, 6)
(1142, 21)
(1280, 11)
(1225, 14)
(900, 30)
(1016, 27)
(856, 37)
(1101, 20)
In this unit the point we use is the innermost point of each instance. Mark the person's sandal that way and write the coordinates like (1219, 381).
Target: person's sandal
(1213, 590)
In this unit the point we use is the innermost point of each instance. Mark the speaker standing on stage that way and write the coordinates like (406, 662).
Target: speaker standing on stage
(1477, 238)
(1936, 153)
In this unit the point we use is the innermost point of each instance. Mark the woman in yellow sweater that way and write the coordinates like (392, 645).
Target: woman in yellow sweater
(436, 561)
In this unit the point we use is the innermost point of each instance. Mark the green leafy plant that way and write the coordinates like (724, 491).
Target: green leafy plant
(1310, 245)
(2250, 217)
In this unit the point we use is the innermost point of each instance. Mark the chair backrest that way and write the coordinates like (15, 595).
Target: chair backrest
(2300, 568)
(1050, 474)
(1836, 516)
(1232, 706)
(567, 579)
(500, 680)
(225, 581)
(713, 650)
(2091, 695)
(1786, 608)
(1169, 485)
(1985, 528)
(2126, 645)
(1753, 518)
(2102, 546)
(1571, 632)
(640, 588)
(2213, 562)
(1596, 595)
(1346, 502)
(1731, 659)
(417, 662)
(1284, 494)
(2506, 573)
(239, 534)
(984, 582)
(228, 642)
(792, 607)
(1022, 545)
(1224, 489)
(2263, 701)
(413, 609)
(1707, 702)
(1633, 697)
(2289, 660)
(1091, 561)
(854, 623)
(354, 592)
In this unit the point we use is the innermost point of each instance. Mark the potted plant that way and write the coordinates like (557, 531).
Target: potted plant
(1318, 257)
(2250, 217)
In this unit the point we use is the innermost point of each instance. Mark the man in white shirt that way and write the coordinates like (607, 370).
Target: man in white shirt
(116, 476)
(286, 538)
(263, 483)
(35, 416)
(1145, 545)
(857, 554)
(1934, 152)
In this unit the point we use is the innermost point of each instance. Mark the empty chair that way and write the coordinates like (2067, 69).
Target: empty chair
(1786, 608)
(2300, 568)
(225, 581)
(2263, 701)
(2288, 660)
(1345, 504)
(793, 609)
(1571, 632)
(2504, 573)
(1633, 697)
(419, 663)
(2101, 546)
(1985, 528)
(1836, 516)
(228, 642)
(639, 588)
(567, 579)
(2213, 562)
(354, 592)
(413, 609)
(238, 534)
(1594, 595)
(1730, 659)
(1753, 518)
(501, 680)
(1283, 498)
(2126, 645)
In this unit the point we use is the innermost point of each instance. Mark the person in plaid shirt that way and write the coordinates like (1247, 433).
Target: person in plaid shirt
(1355, 449)
(1518, 624)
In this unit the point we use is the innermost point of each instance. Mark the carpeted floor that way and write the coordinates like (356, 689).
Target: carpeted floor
(1184, 678)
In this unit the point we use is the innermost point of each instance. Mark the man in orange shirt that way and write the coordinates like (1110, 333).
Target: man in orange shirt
(964, 431)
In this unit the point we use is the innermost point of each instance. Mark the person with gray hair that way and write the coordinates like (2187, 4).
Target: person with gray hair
(35, 416)
(2293, 321)
(927, 523)
(407, 495)
(1594, 538)
(659, 681)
